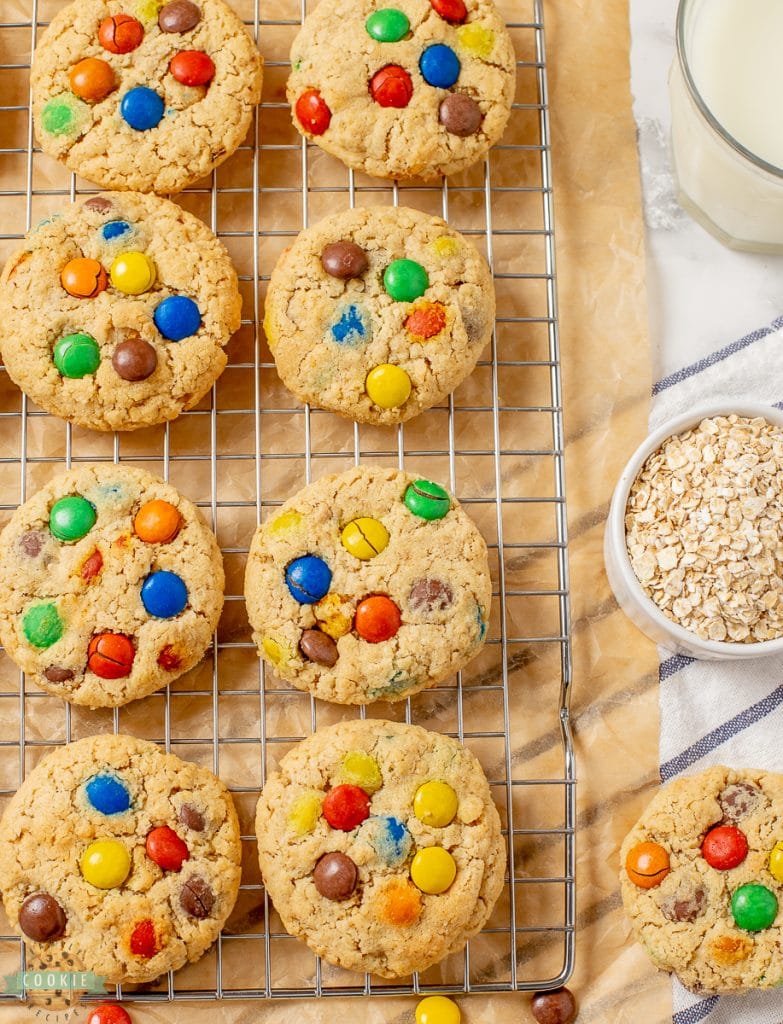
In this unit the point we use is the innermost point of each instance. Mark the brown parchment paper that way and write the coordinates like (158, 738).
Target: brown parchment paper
(606, 378)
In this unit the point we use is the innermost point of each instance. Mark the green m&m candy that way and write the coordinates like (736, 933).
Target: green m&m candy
(71, 518)
(405, 280)
(76, 355)
(64, 115)
(42, 625)
(427, 500)
(754, 907)
(387, 25)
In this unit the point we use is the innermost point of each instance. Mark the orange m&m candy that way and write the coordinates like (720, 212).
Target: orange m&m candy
(110, 655)
(91, 79)
(426, 320)
(377, 619)
(83, 278)
(157, 522)
(399, 904)
(120, 34)
(647, 865)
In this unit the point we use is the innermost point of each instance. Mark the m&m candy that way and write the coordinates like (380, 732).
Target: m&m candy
(454, 11)
(555, 1007)
(390, 839)
(169, 659)
(133, 273)
(435, 804)
(164, 594)
(647, 865)
(305, 813)
(426, 320)
(335, 876)
(107, 794)
(312, 112)
(405, 280)
(361, 770)
(120, 34)
(433, 870)
(344, 260)
(308, 579)
(144, 939)
(110, 655)
(179, 16)
(192, 67)
(399, 903)
(83, 278)
(460, 114)
(109, 1013)
(71, 518)
(754, 907)
(391, 86)
(345, 807)
(439, 66)
(42, 625)
(157, 522)
(134, 358)
(142, 108)
(724, 847)
(166, 849)
(318, 647)
(377, 619)
(364, 537)
(91, 79)
(105, 863)
(41, 918)
(388, 25)
(427, 500)
(388, 386)
(91, 566)
(437, 1010)
(76, 355)
(776, 862)
(114, 229)
(177, 317)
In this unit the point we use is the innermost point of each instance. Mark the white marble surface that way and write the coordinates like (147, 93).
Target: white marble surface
(702, 296)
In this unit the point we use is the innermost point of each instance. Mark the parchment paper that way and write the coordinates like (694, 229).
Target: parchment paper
(606, 376)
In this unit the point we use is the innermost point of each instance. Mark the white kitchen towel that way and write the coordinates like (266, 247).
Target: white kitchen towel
(716, 320)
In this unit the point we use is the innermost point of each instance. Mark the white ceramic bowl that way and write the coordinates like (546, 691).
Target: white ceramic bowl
(629, 592)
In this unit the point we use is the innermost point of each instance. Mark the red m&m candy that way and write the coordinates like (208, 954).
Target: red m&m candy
(345, 807)
(391, 86)
(120, 34)
(377, 619)
(312, 112)
(166, 848)
(110, 655)
(143, 940)
(109, 1013)
(724, 847)
(192, 67)
(454, 11)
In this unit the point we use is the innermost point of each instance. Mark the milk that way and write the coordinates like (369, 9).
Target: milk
(732, 51)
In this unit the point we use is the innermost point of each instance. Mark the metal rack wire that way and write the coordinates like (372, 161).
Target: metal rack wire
(249, 445)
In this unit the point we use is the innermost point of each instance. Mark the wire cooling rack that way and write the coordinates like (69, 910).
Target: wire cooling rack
(498, 444)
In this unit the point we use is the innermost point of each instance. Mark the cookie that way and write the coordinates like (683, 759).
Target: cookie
(119, 859)
(378, 313)
(380, 846)
(115, 313)
(137, 94)
(702, 880)
(415, 90)
(368, 585)
(111, 585)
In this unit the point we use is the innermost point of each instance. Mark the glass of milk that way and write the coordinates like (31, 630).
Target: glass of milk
(726, 87)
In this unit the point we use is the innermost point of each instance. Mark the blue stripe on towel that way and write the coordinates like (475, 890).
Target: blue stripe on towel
(696, 1012)
(716, 357)
(724, 732)
(673, 665)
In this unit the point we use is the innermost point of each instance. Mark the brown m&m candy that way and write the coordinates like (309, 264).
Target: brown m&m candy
(344, 260)
(191, 817)
(91, 79)
(178, 16)
(134, 359)
(335, 876)
(318, 647)
(120, 34)
(460, 114)
(558, 1007)
(738, 800)
(58, 674)
(31, 543)
(430, 594)
(42, 918)
(99, 204)
(647, 865)
(197, 898)
(83, 278)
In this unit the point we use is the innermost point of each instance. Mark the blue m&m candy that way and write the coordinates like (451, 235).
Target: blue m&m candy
(107, 794)
(142, 108)
(439, 66)
(308, 578)
(114, 229)
(177, 317)
(163, 594)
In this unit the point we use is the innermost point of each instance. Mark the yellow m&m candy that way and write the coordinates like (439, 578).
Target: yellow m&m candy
(435, 804)
(433, 870)
(305, 813)
(365, 538)
(105, 863)
(437, 1010)
(776, 862)
(388, 386)
(132, 273)
(360, 769)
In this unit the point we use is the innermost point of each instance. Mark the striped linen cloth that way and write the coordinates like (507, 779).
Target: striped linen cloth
(716, 320)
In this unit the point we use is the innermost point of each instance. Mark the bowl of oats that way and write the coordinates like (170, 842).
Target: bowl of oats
(694, 539)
